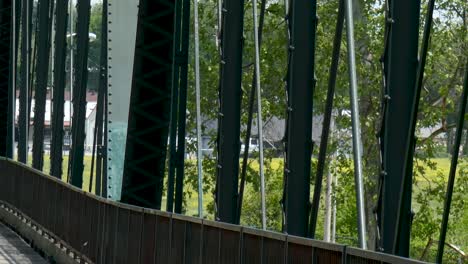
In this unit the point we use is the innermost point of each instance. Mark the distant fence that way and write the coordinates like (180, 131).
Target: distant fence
(109, 232)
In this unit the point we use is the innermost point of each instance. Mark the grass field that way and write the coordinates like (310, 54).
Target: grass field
(443, 165)
(86, 172)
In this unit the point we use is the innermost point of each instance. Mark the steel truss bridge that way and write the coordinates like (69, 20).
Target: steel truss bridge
(141, 106)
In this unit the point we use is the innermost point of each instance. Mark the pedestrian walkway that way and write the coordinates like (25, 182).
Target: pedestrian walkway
(13, 249)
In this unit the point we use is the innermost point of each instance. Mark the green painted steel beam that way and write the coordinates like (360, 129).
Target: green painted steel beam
(58, 90)
(6, 55)
(42, 72)
(148, 121)
(178, 106)
(300, 87)
(99, 142)
(229, 114)
(23, 117)
(79, 94)
(401, 65)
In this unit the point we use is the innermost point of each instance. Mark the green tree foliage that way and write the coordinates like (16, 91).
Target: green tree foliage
(442, 87)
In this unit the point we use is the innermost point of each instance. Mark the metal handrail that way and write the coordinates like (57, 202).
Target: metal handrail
(106, 231)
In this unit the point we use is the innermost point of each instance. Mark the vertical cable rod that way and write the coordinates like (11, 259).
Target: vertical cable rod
(248, 131)
(197, 99)
(357, 151)
(70, 109)
(259, 112)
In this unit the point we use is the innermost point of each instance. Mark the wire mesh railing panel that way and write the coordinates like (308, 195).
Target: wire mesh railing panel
(361, 260)
(109, 239)
(135, 234)
(65, 226)
(43, 198)
(99, 237)
(92, 221)
(229, 246)
(148, 239)
(251, 249)
(163, 238)
(298, 253)
(210, 251)
(177, 241)
(121, 236)
(52, 208)
(274, 251)
(193, 242)
(77, 225)
(31, 202)
(326, 256)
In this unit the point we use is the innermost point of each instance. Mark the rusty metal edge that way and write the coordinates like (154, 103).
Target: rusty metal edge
(357, 252)
(50, 248)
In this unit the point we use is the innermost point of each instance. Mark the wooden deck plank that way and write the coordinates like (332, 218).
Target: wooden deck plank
(13, 249)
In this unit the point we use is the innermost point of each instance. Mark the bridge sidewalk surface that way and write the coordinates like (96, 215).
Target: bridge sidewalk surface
(13, 249)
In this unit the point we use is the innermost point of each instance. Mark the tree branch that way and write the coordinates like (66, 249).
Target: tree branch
(442, 129)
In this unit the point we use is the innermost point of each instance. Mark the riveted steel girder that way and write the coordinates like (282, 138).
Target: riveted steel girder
(300, 88)
(229, 113)
(42, 71)
(401, 62)
(148, 121)
(79, 93)
(6, 55)
(58, 90)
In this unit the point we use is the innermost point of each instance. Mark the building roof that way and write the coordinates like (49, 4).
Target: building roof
(66, 121)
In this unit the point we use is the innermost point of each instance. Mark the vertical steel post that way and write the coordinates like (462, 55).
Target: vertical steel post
(401, 65)
(100, 110)
(6, 56)
(61, 20)
(411, 144)
(178, 105)
(300, 87)
(32, 61)
(15, 25)
(23, 119)
(174, 108)
(148, 121)
(96, 162)
(232, 24)
(72, 55)
(42, 70)
(327, 117)
(181, 123)
(259, 112)
(79, 94)
(453, 168)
